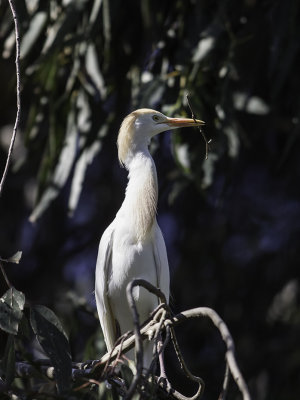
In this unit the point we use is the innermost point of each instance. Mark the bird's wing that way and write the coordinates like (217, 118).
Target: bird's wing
(161, 262)
(106, 317)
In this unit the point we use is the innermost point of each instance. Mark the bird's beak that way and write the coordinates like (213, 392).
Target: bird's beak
(183, 122)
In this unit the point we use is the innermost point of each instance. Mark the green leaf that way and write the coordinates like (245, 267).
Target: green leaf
(53, 340)
(11, 306)
(8, 361)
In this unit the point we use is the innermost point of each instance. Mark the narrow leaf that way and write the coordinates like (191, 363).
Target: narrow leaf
(8, 361)
(32, 34)
(93, 69)
(62, 171)
(53, 340)
(11, 306)
(83, 162)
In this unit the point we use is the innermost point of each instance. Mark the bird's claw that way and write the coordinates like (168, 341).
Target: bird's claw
(151, 333)
(164, 383)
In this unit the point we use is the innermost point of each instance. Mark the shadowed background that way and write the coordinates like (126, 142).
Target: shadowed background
(231, 223)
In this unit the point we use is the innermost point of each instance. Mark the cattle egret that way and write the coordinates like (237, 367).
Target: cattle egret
(132, 247)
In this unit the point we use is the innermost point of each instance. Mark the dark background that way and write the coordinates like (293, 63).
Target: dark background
(231, 223)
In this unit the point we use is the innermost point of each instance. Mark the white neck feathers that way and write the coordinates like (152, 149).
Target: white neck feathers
(125, 137)
(141, 194)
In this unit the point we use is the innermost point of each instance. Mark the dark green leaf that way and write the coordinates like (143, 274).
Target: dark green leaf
(53, 340)
(126, 374)
(11, 306)
(8, 361)
(24, 328)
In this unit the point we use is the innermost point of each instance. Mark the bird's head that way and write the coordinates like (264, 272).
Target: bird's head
(141, 125)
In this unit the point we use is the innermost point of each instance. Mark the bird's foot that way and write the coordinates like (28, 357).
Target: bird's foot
(164, 382)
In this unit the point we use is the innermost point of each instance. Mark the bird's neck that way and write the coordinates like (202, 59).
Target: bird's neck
(141, 195)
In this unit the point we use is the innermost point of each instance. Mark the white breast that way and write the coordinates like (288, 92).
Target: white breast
(131, 260)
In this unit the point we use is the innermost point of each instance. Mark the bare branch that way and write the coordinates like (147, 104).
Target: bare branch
(226, 336)
(154, 324)
(17, 61)
(160, 316)
(161, 320)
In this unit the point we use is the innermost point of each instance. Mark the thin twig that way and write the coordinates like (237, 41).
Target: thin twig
(207, 141)
(5, 276)
(12, 141)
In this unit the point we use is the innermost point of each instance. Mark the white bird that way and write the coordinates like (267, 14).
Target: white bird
(132, 247)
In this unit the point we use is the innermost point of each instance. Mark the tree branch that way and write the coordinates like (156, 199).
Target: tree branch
(161, 320)
(227, 338)
(17, 62)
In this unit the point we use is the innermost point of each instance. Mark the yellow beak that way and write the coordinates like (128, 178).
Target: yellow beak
(184, 122)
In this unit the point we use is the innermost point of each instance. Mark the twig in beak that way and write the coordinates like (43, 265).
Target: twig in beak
(207, 141)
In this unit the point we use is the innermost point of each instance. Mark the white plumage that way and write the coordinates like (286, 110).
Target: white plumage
(132, 247)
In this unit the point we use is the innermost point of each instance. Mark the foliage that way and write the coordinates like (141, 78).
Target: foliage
(231, 223)
(42, 323)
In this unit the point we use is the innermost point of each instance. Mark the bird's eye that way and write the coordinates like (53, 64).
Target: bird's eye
(155, 118)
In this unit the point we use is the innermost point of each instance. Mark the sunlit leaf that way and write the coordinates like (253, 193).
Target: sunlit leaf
(11, 306)
(57, 32)
(233, 140)
(204, 47)
(84, 161)
(62, 170)
(83, 115)
(252, 105)
(208, 168)
(182, 155)
(92, 67)
(32, 34)
(151, 93)
(95, 11)
(106, 22)
(15, 258)
(9, 45)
